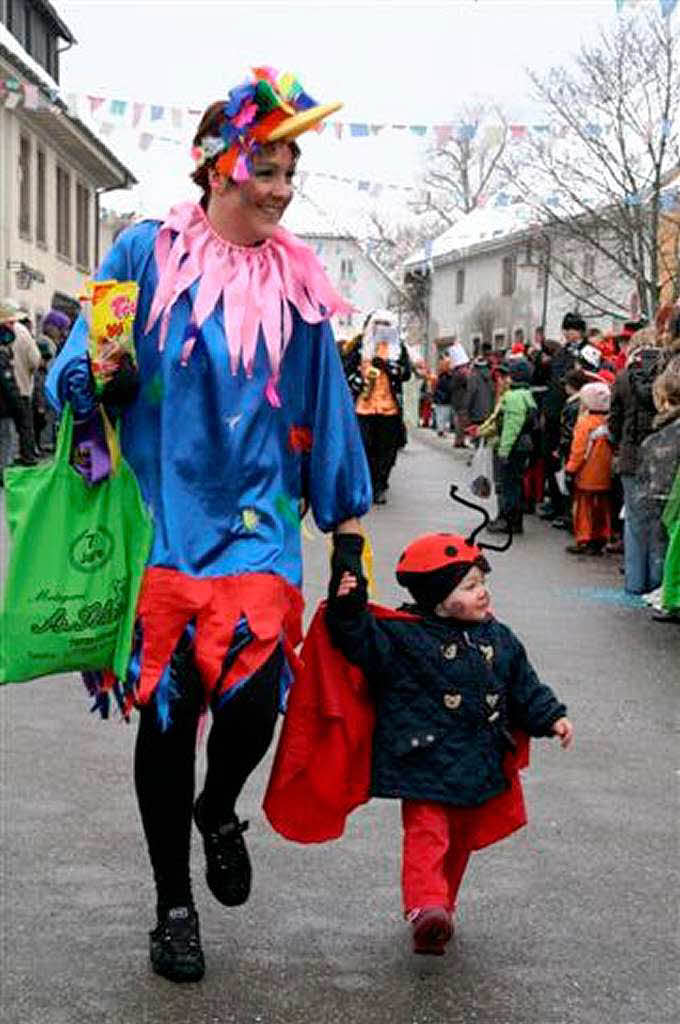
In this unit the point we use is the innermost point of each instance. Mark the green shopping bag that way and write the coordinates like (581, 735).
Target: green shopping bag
(77, 554)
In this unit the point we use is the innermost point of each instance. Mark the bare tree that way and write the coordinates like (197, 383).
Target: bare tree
(598, 175)
(465, 164)
(485, 316)
(392, 244)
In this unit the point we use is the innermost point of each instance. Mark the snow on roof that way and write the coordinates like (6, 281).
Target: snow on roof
(16, 50)
(483, 225)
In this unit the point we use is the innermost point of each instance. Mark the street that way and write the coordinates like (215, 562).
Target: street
(574, 920)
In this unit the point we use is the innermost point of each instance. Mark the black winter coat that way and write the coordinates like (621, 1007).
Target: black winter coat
(10, 397)
(447, 693)
(481, 393)
(632, 412)
(443, 387)
(562, 359)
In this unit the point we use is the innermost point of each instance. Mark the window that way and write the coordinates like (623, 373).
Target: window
(509, 275)
(82, 226)
(460, 287)
(346, 268)
(24, 185)
(499, 339)
(40, 223)
(589, 267)
(63, 212)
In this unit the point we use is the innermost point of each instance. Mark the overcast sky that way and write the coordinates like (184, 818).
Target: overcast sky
(388, 62)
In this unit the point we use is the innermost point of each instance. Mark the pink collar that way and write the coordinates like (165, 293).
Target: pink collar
(256, 284)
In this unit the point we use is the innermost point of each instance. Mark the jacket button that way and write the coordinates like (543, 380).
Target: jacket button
(430, 739)
(415, 742)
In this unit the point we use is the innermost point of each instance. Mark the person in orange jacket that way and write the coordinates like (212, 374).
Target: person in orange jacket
(590, 470)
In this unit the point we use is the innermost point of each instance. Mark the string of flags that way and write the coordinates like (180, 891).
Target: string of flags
(152, 120)
(666, 6)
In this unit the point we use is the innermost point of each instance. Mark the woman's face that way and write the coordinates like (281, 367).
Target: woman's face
(253, 208)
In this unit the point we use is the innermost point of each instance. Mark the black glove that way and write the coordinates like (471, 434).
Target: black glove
(347, 548)
(123, 387)
(379, 363)
(569, 482)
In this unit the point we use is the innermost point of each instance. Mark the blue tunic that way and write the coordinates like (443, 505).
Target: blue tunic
(213, 458)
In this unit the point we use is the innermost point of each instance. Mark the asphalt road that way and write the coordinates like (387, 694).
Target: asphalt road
(574, 919)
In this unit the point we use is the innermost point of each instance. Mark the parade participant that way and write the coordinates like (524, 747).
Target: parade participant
(451, 685)
(377, 367)
(590, 467)
(240, 417)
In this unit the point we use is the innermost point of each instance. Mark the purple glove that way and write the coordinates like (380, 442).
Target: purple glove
(91, 457)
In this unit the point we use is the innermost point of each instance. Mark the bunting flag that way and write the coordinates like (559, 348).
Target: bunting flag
(667, 7)
(137, 111)
(31, 96)
(157, 113)
(118, 108)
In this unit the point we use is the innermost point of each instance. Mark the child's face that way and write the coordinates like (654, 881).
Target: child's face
(469, 601)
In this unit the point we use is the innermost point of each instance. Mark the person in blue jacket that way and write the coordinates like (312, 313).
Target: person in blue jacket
(235, 418)
(454, 695)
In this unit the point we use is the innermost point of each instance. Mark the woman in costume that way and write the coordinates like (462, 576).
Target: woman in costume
(240, 418)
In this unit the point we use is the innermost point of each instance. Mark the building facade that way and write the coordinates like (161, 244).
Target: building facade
(53, 170)
(490, 275)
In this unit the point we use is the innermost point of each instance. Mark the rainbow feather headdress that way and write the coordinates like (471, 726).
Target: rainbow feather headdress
(269, 107)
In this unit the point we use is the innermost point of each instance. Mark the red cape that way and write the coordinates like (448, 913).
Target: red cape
(322, 767)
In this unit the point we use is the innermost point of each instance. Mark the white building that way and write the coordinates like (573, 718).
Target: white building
(53, 170)
(488, 278)
(357, 276)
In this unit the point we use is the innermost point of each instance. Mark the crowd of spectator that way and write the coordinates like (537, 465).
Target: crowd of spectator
(26, 421)
(585, 432)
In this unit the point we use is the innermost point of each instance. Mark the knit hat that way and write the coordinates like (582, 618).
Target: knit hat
(518, 370)
(595, 397)
(518, 348)
(9, 311)
(55, 318)
(434, 564)
(573, 322)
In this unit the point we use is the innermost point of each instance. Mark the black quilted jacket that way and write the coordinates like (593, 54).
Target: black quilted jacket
(447, 694)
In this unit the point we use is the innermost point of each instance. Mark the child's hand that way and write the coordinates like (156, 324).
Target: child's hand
(565, 730)
(348, 583)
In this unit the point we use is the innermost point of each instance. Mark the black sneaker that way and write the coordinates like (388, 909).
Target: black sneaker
(175, 946)
(228, 871)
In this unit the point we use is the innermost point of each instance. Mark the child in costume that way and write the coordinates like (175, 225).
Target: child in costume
(240, 415)
(451, 684)
(590, 468)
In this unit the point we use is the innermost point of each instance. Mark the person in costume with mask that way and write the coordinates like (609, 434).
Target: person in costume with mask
(377, 367)
(436, 700)
(240, 417)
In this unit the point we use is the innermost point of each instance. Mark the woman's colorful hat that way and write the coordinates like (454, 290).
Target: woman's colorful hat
(270, 107)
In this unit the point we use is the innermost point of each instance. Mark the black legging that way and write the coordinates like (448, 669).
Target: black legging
(240, 735)
(381, 436)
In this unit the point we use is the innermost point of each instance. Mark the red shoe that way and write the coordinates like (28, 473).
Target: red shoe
(432, 929)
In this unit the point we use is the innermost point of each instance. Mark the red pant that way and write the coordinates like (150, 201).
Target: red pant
(592, 516)
(533, 482)
(433, 865)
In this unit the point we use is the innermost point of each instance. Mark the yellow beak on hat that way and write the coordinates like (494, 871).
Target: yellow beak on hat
(302, 122)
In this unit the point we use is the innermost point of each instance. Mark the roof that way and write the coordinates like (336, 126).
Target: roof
(66, 130)
(49, 11)
(481, 229)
